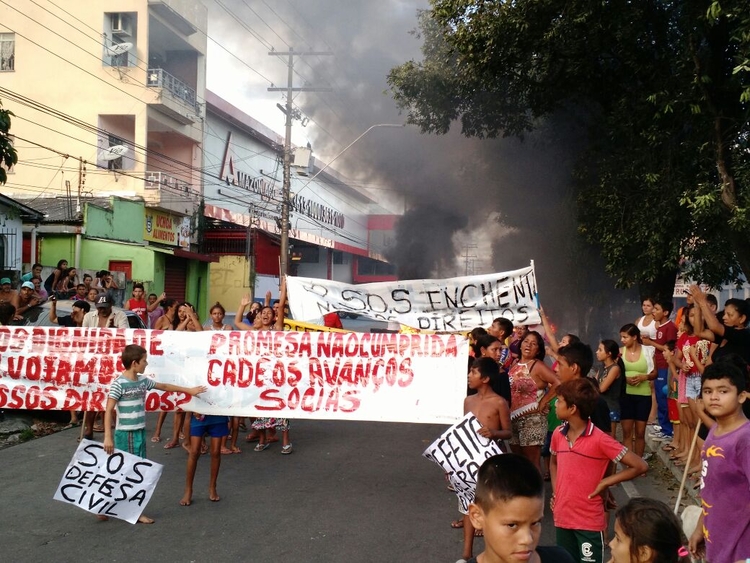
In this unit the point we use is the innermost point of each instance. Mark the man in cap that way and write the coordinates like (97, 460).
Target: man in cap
(26, 299)
(80, 308)
(7, 293)
(105, 316)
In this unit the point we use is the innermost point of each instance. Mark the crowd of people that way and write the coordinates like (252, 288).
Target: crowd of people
(579, 422)
(563, 418)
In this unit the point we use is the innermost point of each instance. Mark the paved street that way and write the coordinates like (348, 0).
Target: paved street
(351, 492)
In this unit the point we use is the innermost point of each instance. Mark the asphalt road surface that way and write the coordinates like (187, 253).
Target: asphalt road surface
(350, 492)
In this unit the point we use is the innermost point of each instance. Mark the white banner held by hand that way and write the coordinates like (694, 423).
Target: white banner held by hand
(460, 452)
(280, 374)
(448, 305)
(119, 485)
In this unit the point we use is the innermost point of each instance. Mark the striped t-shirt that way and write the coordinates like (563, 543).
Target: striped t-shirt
(131, 401)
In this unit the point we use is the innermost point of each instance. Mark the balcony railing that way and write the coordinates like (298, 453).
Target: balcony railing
(162, 180)
(160, 78)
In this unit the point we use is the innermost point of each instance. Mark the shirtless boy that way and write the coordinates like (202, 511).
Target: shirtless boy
(493, 413)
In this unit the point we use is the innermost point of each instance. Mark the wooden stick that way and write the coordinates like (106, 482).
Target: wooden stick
(687, 467)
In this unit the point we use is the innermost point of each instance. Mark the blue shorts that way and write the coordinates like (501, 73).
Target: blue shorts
(693, 386)
(213, 425)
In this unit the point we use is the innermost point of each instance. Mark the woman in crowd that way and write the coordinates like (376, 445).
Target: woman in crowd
(532, 386)
(50, 284)
(635, 403)
(265, 428)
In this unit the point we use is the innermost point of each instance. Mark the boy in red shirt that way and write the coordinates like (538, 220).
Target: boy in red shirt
(137, 303)
(666, 331)
(581, 454)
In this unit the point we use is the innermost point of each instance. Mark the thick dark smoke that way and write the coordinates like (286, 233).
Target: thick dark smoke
(425, 241)
(449, 184)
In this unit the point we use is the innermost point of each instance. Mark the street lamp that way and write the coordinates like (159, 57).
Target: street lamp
(283, 263)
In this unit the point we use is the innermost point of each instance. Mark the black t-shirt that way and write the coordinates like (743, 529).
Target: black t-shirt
(547, 554)
(66, 320)
(735, 341)
(600, 416)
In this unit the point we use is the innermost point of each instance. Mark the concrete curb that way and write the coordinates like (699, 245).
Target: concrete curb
(690, 493)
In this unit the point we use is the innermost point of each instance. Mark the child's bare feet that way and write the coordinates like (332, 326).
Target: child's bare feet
(155, 439)
(169, 445)
(187, 498)
(145, 520)
(213, 496)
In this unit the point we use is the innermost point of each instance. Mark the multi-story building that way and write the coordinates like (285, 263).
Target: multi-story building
(109, 101)
(141, 170)
(337, 231)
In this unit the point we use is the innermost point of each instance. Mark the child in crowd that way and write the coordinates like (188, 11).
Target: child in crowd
(724, 528)
(666, 331)
(493, 413)
(127, 395)
(509, 508)
(646, 531)
(218, 313)
(501, 328)
(581, 454)
(200, 425)
(574, 361)
(610, 380)
(137, 303)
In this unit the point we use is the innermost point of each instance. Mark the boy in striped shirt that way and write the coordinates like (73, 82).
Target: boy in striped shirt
(127, 394)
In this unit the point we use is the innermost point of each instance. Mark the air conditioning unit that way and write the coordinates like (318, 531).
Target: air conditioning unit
(120, 24)
(301, 157)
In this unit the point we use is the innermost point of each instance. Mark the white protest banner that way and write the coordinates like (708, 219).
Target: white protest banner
(320, 375)
(118, 485)
(449, 305)
(460, 452)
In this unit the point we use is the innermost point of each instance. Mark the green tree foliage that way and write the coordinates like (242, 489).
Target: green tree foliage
(662, 88)
(8, 155)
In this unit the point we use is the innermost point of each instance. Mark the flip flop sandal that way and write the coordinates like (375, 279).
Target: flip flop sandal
(668, 448)
(286, 449)
(261, 447)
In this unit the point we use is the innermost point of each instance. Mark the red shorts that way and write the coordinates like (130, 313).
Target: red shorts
(673, 411)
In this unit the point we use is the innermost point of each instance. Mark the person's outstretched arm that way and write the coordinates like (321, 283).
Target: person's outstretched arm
(238, 322)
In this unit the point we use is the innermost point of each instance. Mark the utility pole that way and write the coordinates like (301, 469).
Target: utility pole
(290, 114)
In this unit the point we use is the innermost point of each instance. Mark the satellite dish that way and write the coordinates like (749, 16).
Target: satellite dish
(113, 152)
(118, 48)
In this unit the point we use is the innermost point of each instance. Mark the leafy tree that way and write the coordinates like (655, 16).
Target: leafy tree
(663, 90)
(8, 155)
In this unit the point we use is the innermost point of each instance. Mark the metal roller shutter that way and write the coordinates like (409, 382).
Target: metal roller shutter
(175, 278)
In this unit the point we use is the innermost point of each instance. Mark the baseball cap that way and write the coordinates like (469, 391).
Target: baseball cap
(4, 281)
(27, 284)
(103, 301)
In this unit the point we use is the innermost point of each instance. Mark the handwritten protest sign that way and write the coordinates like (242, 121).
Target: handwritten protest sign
(460, 452)
(320, 375)
(119, 485)
(449, 305)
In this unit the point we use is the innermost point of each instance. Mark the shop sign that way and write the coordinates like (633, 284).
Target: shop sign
(166, 229)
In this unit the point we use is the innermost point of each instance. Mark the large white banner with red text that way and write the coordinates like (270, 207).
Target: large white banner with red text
(443, 305)
(319, 375)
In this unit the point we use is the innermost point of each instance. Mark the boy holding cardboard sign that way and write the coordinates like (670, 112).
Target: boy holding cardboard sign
(127, 394)
(493, 413)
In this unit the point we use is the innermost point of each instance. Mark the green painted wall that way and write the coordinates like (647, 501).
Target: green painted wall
(57, 247)
(123, 222)
(197, 287)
